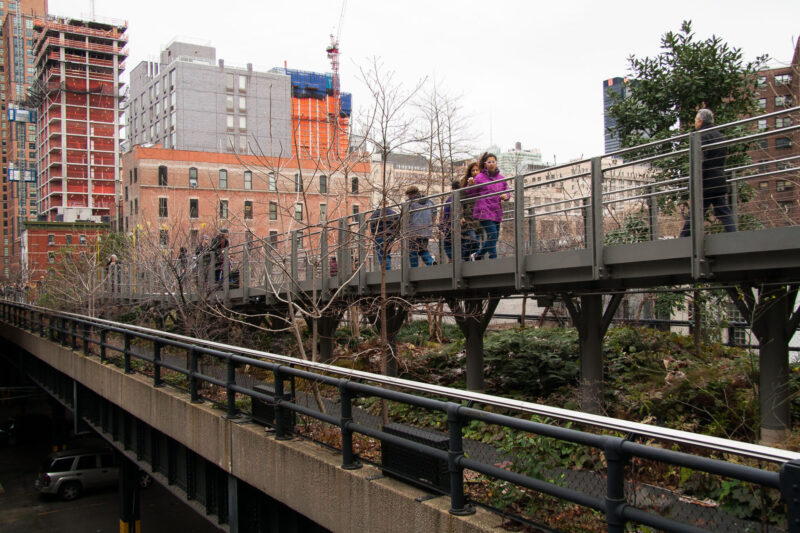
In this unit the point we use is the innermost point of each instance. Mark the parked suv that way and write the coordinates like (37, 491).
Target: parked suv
(70, 472)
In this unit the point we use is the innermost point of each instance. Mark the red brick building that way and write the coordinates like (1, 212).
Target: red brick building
(44, 244)
(179, 195)
(778, 194)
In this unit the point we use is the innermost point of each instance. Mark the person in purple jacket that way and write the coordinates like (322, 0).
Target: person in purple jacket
(488, 211)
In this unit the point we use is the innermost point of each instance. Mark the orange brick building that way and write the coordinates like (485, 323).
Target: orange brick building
(177, 196)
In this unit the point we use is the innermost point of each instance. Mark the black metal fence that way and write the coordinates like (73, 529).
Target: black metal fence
(536, 465)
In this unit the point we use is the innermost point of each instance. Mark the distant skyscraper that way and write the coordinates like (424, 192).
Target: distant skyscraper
(518, 161)
(617, 87)
(17, 72)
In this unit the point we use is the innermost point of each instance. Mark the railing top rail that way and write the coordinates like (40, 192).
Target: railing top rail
(755, 451)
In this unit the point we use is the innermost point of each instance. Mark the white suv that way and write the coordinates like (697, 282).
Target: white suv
(70, 472)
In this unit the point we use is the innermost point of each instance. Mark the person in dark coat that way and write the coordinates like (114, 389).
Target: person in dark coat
(421, 214)
(715, 186)
(383, 226)
(217, 248)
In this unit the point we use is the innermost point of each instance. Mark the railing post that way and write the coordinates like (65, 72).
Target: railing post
(244, 271)
(456, 210)
(343, 256)
(325, 272)
(230, 394)
(521, 281)
(597, 235)
(193, 394)
(615, 484)
(364, 249)
(532, 230)
(226, 275)
(348, 460)
(405, 262)
(790, 493)
(73, 334)
(294, 260)
(126, 353)
(85, 339)
(268, 281)
(458, 504)
(652, 206)
(280, 434)
(41, 323)
(157, 382)
(696, 212)
(734, 198)
(103, 334)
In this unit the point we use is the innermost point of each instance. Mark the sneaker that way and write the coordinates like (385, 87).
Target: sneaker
(473, 256)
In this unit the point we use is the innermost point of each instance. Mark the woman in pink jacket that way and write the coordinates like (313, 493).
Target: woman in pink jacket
(488, 211)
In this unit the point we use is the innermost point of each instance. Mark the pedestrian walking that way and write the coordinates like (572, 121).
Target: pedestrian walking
(422, 213)
(489, 198)
(383, 225)
(715, 186)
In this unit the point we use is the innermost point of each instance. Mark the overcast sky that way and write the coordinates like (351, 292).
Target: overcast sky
(525, 71)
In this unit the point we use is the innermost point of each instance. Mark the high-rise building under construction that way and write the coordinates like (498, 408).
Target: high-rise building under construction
(79, 64)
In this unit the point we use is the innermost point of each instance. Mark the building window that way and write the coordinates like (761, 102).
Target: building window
(51, 240)
(762, 103)
(135, 206)
(323, 184)
(273, 182)
(126, 194)
(229, 102)
(229, 122)
(763, 185)
(762, 124)
(762, 144)
(51, 257)
(242, 83)
(248, 180)
(162, 208)
(783, 143)
(783, 79)
(82, 239)
(355, 209)
(248, 210)
(323, 213)
(783, 122)
(194, 208)
(273, 211)
(162, 176)
(242, 123)
(354, 185)
(229, 82)
(783, 101)
(242, 103)
(223, 209)
(780, 185)
(135, 175)
(299, 240)
(786, 207)
(298, 182)
(163, 237)
(298, 211)
(69, 239)
(223, 178)
(761, 81)
(193, 177)
(273, 238)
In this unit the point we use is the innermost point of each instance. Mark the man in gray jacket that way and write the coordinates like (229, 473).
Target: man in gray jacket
(422, 213)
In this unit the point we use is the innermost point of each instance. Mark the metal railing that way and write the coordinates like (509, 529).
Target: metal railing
(626, 473)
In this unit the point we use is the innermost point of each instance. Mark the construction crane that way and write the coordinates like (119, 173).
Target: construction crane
(333, 55)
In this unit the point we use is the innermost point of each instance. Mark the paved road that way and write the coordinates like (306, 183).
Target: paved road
(23, 509)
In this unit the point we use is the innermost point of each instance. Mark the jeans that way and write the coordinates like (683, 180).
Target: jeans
(383, 248)
(418, 247)
(489, 245)
(469, 244)
(719, 199)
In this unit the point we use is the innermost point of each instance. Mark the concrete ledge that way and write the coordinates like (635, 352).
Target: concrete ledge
(300, 474)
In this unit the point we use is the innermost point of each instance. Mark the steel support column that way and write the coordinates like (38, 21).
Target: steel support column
(129, 517)
(592, 323)
(472, 317)
(773, 321)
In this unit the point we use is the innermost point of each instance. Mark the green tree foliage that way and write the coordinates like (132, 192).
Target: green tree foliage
(666, 90)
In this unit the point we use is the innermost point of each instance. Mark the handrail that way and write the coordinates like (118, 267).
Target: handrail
(743, 449)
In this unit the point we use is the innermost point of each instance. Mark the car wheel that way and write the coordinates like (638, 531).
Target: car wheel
(145, 479)
(70, 491)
